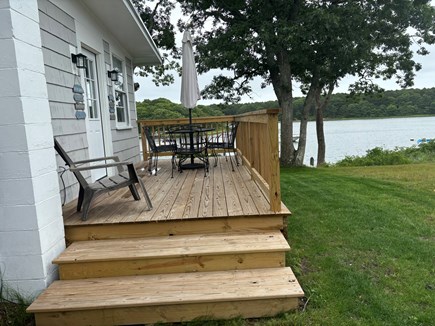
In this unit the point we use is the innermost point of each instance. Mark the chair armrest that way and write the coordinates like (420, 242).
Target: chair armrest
(99, 166)
(215, 137)
(105, 158)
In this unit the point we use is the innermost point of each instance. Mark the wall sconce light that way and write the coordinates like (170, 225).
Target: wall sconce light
(80, 60)
(113, 75)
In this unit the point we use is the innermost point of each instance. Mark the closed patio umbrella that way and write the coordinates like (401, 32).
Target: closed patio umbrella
(189, 79)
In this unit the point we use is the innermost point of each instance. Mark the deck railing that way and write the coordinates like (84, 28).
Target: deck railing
(256, 141)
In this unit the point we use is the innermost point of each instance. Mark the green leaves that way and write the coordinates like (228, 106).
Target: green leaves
(316, 43)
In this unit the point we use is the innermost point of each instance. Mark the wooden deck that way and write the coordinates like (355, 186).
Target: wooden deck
(211, 248)
(188, 195)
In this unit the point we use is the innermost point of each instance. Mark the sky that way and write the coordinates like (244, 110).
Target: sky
(425, 78)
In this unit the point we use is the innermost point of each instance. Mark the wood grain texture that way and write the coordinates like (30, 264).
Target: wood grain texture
(168, 313)
(172, 254)
(167, 265)
(168, 289)
(173, 246)
(253, 223)
(185, 196)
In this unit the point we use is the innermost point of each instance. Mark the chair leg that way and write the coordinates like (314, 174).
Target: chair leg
(80, 199)
(214, 154)
(205, 163)
(157, 161)
(87, 199)
(145, 194)
(150, 164)
(134, 191)
(207, 160)
(231, 161)
(173, 165)
(236, 154)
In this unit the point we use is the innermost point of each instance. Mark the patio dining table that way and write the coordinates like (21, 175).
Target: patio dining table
(191, 143)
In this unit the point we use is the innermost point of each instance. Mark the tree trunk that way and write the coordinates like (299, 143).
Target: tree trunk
(321, 147)
(308, 104)
(320, 109)
(287, 147)
(282, 85)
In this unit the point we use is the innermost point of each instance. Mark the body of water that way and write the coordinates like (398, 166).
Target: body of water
(355, 137)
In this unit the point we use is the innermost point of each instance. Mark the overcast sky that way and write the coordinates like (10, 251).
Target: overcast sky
(425, 78)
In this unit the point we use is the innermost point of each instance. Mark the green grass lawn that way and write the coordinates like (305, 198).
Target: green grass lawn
(363, 244)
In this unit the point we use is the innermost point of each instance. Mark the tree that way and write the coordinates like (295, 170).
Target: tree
(366, 39)
(156, 15)
(314, 42)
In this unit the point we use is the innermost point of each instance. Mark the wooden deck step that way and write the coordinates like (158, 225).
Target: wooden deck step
(172, 254)
(168, 297)
(120, 230)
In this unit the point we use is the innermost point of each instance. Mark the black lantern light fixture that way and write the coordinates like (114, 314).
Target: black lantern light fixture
(80, 60)
(113, 75)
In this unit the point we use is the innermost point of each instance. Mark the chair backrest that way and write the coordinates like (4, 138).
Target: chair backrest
(80, 178)
(150, 138)
(189, 141)
(232, 132)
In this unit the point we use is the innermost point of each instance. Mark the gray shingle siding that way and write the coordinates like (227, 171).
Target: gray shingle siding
(58, 35)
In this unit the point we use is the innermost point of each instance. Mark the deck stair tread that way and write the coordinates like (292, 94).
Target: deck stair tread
(173, 246)
(168, 289)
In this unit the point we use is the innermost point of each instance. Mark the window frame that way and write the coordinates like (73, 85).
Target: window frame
(122, 92)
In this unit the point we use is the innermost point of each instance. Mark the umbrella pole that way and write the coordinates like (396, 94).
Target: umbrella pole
(192, 158)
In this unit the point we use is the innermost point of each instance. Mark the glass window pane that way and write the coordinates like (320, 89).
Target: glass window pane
(88, 88)
(120, 114)
(119, 99)
(117, 64)
(90, 109)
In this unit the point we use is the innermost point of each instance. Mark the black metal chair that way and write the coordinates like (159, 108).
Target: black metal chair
(90, 190)
(225, 142)
(190, 144)
(157, 149)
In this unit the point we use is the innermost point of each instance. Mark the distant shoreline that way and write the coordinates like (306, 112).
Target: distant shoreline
(374, 118)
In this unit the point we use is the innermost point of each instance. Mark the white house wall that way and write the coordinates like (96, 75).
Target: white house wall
(69, 26)
(37, 38)
(31, 225)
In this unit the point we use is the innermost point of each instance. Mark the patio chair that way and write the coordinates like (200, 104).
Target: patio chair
(88, 191)
(225, 142)
(156, 149)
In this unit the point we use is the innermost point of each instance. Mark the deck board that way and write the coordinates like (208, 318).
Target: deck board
(173, 246)
(192, 205)
(219, 201)
(188, 195)
(123, 292)
(231, 196)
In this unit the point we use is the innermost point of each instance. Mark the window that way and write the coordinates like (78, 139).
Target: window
(91, 90)
(121, 103)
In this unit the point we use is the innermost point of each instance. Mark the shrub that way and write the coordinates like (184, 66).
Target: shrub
(423, 153)
(13, 308)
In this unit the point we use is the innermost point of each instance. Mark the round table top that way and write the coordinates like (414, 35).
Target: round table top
(188, 129)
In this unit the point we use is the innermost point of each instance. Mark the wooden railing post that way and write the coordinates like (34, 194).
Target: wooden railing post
(260, 149)
(274, 186)
(144, 143)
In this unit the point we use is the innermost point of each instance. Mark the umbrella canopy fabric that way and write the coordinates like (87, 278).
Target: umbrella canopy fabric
(189, 79)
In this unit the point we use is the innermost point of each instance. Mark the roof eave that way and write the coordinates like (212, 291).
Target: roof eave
(124, 23)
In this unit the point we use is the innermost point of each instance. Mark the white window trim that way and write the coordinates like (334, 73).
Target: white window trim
(127, 124)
